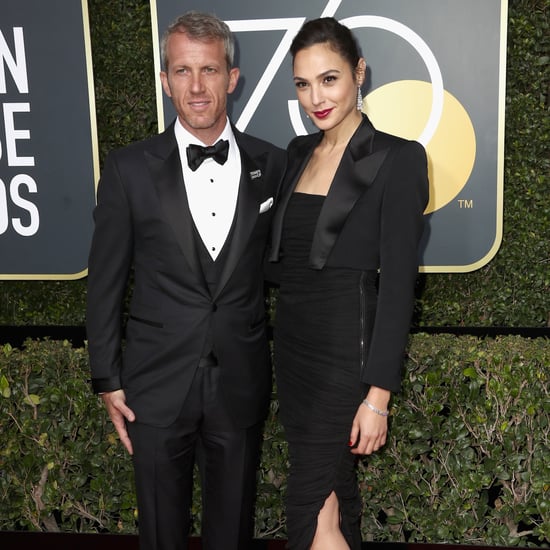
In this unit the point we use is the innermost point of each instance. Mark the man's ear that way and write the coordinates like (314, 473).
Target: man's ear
(234, 74)
(165, 84)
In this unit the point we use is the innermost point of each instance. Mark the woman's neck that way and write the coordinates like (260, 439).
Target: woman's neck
(341, 134)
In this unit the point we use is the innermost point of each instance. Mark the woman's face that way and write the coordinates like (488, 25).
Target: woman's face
(326, 85)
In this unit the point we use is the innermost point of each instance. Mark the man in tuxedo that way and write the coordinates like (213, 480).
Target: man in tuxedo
(187, 212)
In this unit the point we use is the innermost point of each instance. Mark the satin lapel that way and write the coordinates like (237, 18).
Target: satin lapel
(167, 177)
(297, 163)
(356, 172)
(246, 213)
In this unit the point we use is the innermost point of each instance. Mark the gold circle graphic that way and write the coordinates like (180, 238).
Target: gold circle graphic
(402, 108)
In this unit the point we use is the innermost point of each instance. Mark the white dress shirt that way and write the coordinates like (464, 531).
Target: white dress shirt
(212, 189)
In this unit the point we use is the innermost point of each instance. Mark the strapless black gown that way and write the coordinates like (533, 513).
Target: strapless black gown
(317, 364)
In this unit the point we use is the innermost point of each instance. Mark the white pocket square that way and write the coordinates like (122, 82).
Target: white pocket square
(266, 205)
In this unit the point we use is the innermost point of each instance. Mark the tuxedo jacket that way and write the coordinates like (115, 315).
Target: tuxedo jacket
(144, 231)
(371, 221)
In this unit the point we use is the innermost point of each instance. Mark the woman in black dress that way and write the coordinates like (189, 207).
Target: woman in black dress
(346, 233)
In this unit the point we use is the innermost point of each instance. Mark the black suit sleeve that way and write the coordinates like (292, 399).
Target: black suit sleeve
(402, 224)
(108, 269)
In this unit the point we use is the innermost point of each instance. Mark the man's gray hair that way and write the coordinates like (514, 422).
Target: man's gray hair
(204, 27)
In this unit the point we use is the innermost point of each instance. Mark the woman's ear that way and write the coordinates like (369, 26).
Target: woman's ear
(360, 71)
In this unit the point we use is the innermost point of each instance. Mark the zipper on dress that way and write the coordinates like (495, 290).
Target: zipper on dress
(362, 314)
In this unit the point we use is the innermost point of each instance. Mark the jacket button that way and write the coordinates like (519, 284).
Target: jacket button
(214, 307)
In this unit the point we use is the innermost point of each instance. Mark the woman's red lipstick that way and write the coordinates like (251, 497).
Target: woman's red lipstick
(322, 114)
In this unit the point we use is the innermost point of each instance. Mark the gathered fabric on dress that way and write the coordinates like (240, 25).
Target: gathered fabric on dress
(317, 344)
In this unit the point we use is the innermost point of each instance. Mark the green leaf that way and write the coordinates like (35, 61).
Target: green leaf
(32, 399)
(5, 390)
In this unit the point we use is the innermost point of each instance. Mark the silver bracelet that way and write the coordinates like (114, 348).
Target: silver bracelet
(374, 409)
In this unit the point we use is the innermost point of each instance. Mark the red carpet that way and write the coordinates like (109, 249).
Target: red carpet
(21, 540)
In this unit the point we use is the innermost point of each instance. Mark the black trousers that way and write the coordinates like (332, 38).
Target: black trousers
(164, 460)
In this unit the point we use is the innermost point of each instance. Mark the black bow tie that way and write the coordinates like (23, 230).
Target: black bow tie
(197, 153)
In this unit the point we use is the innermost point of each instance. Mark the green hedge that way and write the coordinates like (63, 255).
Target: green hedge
(466, 461)
(512, 290)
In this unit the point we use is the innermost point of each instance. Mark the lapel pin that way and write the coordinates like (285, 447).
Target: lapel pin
(255, 174)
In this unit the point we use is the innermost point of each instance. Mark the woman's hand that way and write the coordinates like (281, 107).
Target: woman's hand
(369, 429)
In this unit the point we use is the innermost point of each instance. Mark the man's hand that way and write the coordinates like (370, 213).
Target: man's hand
(115, 401)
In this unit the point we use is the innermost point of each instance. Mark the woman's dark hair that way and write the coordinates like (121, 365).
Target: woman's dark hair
(326, 30)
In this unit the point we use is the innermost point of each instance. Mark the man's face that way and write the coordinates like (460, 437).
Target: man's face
(197, 80)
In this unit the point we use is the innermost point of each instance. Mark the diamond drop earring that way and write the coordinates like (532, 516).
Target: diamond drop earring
(359, 99)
